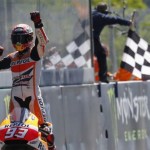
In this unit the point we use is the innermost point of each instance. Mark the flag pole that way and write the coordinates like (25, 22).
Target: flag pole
(91, 33)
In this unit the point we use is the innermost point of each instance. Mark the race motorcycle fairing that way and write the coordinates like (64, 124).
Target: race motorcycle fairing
(20, 131)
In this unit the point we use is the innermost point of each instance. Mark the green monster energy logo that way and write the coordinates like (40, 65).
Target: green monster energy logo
(123, 106)
(112, 100)
(7, 102)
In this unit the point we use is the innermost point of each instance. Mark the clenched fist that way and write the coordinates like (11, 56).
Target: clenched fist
(35, 16)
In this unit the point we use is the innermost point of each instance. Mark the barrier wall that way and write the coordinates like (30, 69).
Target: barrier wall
(115, 118)
(74, 111)
(127, 115)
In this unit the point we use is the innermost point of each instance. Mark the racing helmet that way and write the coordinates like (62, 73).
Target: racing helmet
(22, 37)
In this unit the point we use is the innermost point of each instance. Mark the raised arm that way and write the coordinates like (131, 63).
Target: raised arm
(41, 37)
(109, 20)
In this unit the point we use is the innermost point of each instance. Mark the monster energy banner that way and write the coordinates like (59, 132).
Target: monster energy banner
(127, 109)
(133, 116)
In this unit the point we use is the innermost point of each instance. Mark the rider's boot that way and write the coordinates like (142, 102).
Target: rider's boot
(47, 135)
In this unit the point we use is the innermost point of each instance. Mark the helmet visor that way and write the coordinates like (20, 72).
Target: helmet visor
(22, 39)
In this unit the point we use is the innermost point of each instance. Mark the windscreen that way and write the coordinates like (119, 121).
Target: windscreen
(19, 114)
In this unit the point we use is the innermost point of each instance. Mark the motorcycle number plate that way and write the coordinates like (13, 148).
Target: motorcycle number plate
(16, 133)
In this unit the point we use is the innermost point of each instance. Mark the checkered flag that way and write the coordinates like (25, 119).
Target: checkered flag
(136, 57)
(77, 53)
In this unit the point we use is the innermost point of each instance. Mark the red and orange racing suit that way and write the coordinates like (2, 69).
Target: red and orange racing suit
(26, 68)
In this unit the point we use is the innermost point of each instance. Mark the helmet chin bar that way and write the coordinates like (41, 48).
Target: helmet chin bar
(21, 47)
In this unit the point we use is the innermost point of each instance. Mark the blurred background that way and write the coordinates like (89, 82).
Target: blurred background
(115, 36)
(66, 20)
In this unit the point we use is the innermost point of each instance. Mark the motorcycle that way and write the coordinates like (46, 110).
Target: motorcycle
(20, 131)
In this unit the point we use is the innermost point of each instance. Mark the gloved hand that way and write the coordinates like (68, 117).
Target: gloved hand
(35, 16)
(1, 50)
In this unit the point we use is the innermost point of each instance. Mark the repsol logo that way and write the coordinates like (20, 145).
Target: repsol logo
(21, 61)
(16, 124)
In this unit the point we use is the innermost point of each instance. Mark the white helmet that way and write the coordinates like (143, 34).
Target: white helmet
(22, 37)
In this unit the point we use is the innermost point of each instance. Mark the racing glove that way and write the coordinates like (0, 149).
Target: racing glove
(47, 135)
(1, 50)
(36, 18)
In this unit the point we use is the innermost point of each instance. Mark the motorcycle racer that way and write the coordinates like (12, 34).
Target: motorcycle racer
(25, 65)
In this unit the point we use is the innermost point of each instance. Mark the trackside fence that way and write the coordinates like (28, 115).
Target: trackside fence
(113, 116)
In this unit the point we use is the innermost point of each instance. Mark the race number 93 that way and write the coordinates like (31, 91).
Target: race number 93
(16, 132)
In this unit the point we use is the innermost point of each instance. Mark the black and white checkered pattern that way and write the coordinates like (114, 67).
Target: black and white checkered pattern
(136, 57)
(76, 55)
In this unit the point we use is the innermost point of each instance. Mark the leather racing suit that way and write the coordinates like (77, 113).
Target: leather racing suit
(25, 68)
